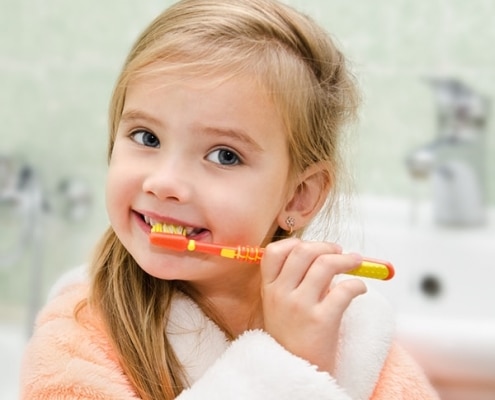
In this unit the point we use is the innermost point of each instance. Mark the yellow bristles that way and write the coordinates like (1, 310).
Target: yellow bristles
(168, 228)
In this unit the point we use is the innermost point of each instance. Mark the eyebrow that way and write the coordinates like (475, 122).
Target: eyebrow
(136, 115)
(236, 134)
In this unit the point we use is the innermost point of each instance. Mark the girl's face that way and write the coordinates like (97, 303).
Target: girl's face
(210, 157)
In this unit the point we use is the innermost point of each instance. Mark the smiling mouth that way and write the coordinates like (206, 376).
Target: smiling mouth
(163, 227)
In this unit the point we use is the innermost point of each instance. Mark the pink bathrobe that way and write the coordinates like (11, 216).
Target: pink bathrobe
(66, 359)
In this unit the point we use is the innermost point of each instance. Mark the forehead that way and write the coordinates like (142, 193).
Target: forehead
(222, 101)
(164, 79)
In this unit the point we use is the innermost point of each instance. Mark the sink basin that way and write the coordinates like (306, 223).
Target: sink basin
(442, 290)
(441, 272)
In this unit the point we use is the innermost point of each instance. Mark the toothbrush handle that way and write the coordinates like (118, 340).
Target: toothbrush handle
(249, 254)
(374, 268)
(369, 268)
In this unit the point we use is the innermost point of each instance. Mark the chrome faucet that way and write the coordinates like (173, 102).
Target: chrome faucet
(23, 205)
(455, 159)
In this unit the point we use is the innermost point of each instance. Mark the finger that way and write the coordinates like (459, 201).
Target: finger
(340, 296)
(316, 283)
(273, 260)
(301, 259)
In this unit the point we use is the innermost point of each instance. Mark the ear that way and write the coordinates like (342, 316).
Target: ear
(307, 197)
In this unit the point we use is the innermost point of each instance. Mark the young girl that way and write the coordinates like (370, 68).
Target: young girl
(224, 126)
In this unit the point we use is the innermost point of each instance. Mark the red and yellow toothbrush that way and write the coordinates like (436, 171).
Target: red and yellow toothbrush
(369, 268)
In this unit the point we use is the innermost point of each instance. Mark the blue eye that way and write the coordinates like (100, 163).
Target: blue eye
(224, 157)
(145, 138)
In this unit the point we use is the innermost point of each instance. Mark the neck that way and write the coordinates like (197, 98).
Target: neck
(234, 308)
(240, 315)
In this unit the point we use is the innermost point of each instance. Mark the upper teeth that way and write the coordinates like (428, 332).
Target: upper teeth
(167, 228)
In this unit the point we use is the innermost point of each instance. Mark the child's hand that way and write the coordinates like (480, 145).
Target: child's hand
(300, 310)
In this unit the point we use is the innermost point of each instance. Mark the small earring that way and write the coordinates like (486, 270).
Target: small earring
(290, 222)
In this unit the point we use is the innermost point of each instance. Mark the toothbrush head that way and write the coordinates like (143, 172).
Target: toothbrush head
(169, 241)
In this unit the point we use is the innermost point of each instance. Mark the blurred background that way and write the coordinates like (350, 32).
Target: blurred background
(422, 154)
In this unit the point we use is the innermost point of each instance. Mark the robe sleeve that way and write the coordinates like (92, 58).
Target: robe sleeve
(402, 378)
(256, 367)
(69, 359)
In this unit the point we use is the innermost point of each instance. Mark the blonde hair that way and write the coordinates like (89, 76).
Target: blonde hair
(310, 84)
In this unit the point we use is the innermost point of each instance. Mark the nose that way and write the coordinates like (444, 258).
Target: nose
(169, 180)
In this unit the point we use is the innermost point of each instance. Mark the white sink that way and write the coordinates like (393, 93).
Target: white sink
(440, 272)
(443, 290)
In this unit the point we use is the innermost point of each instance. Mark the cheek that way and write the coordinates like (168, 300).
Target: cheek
(248, 217)
(110, 199)
(118, 191)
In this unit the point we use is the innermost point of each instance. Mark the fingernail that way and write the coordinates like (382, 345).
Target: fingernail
(357, 257)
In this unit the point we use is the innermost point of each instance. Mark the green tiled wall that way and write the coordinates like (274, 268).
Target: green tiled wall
(59, 59)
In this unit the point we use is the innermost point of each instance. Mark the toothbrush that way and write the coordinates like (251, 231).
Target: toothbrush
(369, 268)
